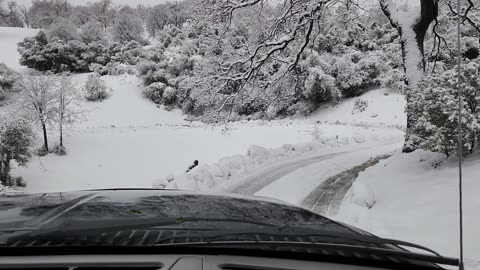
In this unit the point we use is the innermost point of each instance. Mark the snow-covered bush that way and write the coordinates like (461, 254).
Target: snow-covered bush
(112, 68)
(90, 53)
(128, 26)
(92, 32)
(154, 92)
(359, 105)
(95, 88)
(16, 144)
(320, 87)
(64, 30)
(58, 55)
(434, 111)
(169, 96)
(10, 80)
(395, 80)
(59, 150)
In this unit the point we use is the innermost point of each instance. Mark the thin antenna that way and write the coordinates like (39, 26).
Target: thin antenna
(460, 143)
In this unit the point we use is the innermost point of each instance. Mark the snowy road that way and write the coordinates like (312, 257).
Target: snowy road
(257, 182)
(316, 182)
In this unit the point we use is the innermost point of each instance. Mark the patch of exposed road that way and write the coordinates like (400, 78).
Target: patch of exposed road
(327, 197)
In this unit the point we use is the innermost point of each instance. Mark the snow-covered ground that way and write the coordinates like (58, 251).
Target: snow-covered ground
(384, 108)
(126, 141)
(9, 37)
(414, 197)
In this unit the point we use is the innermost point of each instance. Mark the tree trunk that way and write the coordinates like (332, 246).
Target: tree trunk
(428, 13)
(2, 181)
(45, 138)
(61, 133)
(5, 171)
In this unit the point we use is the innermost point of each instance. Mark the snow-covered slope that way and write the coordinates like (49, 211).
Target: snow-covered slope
(415, 198)
(126, 141)
(384, 108)
(9, 37)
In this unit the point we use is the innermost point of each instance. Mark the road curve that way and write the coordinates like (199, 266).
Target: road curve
(254, 183)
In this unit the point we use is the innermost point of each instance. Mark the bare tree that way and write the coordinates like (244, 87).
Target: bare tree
(157, 18)
(25, 15)
(44, 12)
(10, 15)
(40, 99)
(66, 111)
(103, 10)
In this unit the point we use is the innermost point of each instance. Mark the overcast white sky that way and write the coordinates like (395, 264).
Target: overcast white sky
(133, 3)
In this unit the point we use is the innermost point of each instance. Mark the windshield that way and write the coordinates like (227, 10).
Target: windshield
(336, 116)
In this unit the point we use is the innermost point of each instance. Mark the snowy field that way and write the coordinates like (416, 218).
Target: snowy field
(126, 141)
(9, 37)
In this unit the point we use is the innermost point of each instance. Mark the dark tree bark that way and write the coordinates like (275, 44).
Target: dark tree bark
(5, 172)
(61, 135)
(428, 13)
(45, 138)
(1, 172)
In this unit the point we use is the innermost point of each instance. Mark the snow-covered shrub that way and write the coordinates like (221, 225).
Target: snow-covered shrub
(112, 68)
(154, 92)
(320, 87)
(395, 80)
(434, 111)
(58, 55)
(92, 31)
(349, 76)
(95, 88)
(359, 105)
(10, 80)
(128, 26)
(64, 30)
(80, 55)
(169, 96)
(16, 144)
(59, 150)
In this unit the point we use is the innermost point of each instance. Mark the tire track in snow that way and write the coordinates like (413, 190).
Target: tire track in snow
(327, 197)
(254, 183)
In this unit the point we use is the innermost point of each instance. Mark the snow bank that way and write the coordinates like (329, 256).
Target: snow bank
(9, 191)
(413, 197)
(210, 176)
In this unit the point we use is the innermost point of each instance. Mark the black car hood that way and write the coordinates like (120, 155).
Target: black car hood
(37, 210)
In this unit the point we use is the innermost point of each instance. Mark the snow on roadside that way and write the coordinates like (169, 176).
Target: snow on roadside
(295, 187)
(231, 170)
(9, 191)
(413, 197)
